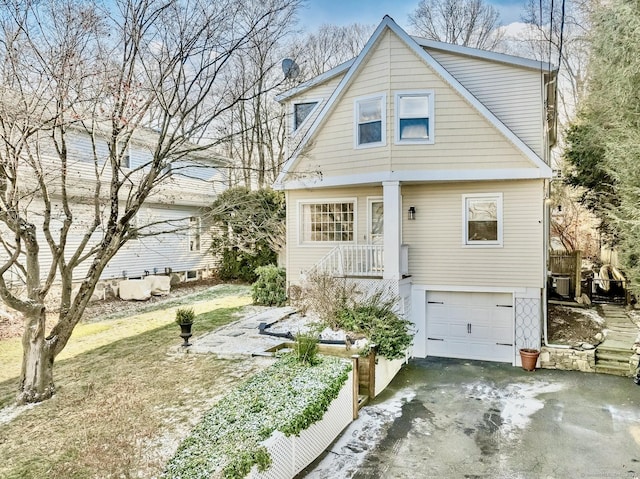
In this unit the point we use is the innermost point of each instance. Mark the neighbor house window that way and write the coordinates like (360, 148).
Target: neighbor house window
(483, 219)
(328, 222)
(414, 114)
(370, 121)
(301, 112)
(194, 233)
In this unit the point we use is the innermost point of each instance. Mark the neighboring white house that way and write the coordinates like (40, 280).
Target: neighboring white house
(175, 207)
(423, 167)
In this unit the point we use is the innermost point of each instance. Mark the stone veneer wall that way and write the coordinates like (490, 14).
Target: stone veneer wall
(568, 359)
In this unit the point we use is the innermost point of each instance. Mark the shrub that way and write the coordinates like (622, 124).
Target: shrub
(185, 316)
(376, 320)
(241, 265)
(270, 287)
(288, 397)
(325, 296)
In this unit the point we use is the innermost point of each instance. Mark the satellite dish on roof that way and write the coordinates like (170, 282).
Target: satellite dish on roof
(290, 69)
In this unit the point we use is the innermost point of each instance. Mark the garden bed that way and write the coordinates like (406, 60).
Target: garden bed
(287, 397)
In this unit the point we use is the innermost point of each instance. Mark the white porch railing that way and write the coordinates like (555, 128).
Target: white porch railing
(352, 260)
(358, 260)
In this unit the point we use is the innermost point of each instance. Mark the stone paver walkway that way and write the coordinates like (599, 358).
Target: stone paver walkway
(242, 338)
(623, 332)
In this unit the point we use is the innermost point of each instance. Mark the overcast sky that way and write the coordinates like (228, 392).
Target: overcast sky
(370, 12)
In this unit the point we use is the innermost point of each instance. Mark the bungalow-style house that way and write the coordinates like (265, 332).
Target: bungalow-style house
(422, 167)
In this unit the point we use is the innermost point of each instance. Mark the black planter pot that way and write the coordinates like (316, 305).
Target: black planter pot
(185, 333)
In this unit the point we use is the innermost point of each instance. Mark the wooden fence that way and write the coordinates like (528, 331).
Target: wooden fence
(562, 264)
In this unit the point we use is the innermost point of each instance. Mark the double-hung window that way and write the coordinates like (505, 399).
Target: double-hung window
(327, 222)
(482, 219)
(370, 119)
(414, 117)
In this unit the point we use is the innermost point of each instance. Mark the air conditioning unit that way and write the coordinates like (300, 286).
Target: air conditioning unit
(562, 286)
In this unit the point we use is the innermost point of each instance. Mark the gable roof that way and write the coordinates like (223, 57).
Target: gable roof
(411, 43)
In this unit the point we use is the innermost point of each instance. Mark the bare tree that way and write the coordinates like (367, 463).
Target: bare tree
(153, 71)
(330, 46)
(471, 23)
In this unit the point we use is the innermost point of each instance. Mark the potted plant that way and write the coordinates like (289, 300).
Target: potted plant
(529, 358)
(185, 318)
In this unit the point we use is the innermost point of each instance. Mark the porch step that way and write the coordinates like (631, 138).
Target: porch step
(613, 356)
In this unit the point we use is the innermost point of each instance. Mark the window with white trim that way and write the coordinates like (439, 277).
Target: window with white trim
(483, 219)
(194, 233)
(370, 118)
(301, 112)
(327, 222)
(414, 117)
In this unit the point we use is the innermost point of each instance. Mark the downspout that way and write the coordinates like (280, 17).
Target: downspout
(545, 314)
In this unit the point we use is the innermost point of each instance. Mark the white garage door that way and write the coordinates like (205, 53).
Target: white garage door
(470, 325)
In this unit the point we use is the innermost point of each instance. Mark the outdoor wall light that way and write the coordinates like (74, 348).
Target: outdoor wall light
(412, 212)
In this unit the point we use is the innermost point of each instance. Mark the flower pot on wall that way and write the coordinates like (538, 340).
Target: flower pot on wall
(529, 358)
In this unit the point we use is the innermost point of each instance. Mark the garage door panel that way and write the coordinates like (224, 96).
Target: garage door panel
(470, 325)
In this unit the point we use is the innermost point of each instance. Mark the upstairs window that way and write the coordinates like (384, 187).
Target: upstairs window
(328, 222)
(301, 112)
(414, 113)
(370, 121)
(483, 219)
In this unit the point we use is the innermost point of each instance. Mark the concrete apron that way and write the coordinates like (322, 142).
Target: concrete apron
(461, 419)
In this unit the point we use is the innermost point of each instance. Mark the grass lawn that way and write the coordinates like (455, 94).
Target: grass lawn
(125, 395)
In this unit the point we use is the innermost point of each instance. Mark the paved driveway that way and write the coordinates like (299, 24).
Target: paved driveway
(462, 419)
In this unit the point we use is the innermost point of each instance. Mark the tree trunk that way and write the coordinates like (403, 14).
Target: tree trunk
(36, 378)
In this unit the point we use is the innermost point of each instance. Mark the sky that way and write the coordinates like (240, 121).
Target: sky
(370, 12)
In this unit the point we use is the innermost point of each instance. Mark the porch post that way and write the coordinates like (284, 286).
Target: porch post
(392, 233)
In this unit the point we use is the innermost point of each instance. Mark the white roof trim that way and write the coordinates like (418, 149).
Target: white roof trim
(343, 67)
(387, 22)
(486, 55)
(410, 176)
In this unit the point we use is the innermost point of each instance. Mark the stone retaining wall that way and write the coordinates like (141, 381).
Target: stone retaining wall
(568, 359)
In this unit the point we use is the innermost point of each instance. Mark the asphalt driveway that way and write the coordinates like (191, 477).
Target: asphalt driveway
(445, 418)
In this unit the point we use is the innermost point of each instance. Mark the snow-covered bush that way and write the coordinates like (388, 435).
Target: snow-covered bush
(289, 396)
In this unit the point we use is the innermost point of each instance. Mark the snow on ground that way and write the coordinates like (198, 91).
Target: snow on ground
(591, 314)
(518, 400)
(9, 413)
(361, 437)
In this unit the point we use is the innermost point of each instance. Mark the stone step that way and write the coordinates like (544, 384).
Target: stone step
(606, 367)
(616, 356)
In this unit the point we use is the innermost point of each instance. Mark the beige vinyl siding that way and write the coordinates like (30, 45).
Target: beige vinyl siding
(463, 138)
(437, 255)
(513, 94)
(301, 258)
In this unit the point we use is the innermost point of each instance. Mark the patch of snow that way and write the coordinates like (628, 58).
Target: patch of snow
(591, 314)
(518, 401)
(9, 413)
(361, 437)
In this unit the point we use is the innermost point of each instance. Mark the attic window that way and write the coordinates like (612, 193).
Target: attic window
(301, 112)
(370, 121)
(414, 113)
